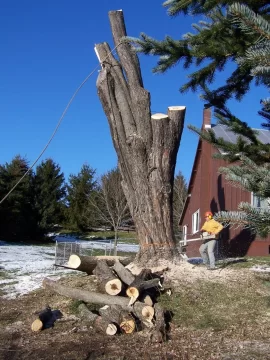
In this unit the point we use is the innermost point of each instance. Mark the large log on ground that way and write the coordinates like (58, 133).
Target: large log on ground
(123, 273)
(107, 281)
(88, 263)
(86, 296)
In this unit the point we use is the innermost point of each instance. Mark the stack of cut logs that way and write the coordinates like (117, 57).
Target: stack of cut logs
(130, 301)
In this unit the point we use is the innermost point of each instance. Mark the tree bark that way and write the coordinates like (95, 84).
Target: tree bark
(136, 288)
(124, 274)
(107, 281)
(86, 296)
(159, 334)
(120, 316)
(101, 324)
(86, 314)
(88, 263)
(146, 145)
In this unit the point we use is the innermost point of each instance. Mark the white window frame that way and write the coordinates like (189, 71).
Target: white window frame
(258, 203)
(196, 222)
(184, 235)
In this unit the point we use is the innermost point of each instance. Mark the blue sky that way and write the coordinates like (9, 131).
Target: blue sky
(47, 50)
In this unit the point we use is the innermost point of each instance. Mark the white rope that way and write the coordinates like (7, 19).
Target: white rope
(58, 124)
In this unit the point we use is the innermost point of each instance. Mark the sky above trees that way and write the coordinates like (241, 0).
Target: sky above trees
(48, 50)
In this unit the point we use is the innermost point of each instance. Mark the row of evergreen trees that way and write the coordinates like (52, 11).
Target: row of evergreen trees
(43, 199)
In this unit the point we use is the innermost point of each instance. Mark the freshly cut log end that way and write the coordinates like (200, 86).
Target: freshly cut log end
(159, 116)
(111, 330)
(105, 327)
(37, 325)
(74, 261)
(148, 312)
(132, 292)
(176, 108)
(147, 300)
(128, 326)
(113, 287)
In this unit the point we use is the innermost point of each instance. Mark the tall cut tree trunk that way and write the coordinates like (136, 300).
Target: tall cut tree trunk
(146, 144)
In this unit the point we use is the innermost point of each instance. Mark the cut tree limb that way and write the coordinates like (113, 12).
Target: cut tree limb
(46, 319)
(102, 325)
(86, 296)
(117, 314)
(86, 314)
(88, 263)
(136, 288)
(99, 323)
(145, 313)
(124, 274)
(159, 333)
(107, 281)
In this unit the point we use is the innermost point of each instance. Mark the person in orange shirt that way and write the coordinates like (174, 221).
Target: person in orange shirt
(207, 249)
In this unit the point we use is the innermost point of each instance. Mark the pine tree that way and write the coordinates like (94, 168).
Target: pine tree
(17, 214)
(50, 193)
(79, 190)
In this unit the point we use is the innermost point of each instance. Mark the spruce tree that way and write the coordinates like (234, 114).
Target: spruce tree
(17, 212)
(79, 189)
(50, 193)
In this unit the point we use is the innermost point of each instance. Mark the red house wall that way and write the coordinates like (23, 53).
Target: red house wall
(209, 191)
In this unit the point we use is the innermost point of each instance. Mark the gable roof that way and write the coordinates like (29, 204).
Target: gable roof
(223, 132)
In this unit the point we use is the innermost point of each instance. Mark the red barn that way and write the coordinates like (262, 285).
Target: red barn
(208, 190)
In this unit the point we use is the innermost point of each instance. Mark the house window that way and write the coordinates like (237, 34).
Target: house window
(195, 222)
(184, 235)
(258, 202)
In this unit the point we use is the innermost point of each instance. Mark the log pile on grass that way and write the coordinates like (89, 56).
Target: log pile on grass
(128, 302)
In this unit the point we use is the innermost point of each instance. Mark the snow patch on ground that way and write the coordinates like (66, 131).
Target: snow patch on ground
(27, 265)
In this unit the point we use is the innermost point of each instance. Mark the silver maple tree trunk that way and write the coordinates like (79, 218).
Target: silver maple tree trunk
(146, 144)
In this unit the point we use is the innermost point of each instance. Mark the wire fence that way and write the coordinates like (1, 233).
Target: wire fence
(63, 249)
